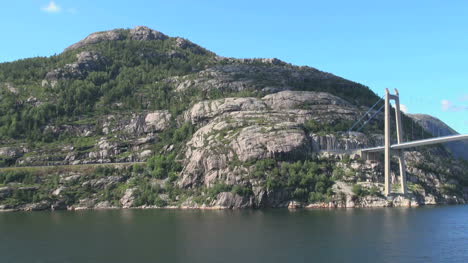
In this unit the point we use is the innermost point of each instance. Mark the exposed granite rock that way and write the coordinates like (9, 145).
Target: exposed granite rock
(123, 138)
(258, 74)
(106, 150)
(97, 37)
(345, 142)
(189, 203)
(128, 198)
(137, 33)
(59, 190)
(70, 178)
(150, 122)
(86, 61)
(157, 121)
(145, 33)
(254, 143)
(43, 205)
(438, 128)
(230, 200)
(249, 129)
(104, 205)
(302, 100)
(59, 205)
(85, 203)
(299, 107)
(145, 154)
(209, 109)
(185, 44)
(10, 87)
(12, 152)
(104, 182)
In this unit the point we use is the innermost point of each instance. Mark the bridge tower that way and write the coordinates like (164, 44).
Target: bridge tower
(387, 150)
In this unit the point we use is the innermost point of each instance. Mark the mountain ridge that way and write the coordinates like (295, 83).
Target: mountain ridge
(437, 128)
(212, 132)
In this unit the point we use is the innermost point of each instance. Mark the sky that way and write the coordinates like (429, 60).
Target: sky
(417, 47)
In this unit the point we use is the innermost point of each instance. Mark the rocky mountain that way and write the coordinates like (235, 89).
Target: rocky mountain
(135, 118)
(437, 127)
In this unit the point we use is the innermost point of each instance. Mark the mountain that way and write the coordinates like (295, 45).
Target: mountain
(136, 118)
(436, 127)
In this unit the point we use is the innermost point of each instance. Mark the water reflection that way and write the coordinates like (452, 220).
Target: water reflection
(378, 235)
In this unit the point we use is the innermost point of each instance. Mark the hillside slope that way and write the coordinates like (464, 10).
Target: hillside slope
(437, 127)
(196, 130)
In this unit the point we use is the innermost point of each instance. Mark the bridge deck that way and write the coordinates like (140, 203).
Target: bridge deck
(419, 143)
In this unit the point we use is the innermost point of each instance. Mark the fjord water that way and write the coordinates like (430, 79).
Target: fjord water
(428, 234)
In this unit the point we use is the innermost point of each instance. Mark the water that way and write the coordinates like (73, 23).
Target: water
(430, 234)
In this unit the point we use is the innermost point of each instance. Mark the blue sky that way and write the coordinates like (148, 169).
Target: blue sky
(418, 47)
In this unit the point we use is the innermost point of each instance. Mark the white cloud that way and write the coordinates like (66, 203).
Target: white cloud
(403, 108)
(52, 7)
(446, 104)
(449, 106)
(464, 97)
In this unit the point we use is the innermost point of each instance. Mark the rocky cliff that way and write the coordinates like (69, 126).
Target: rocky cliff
(437, 127)
(135, 118)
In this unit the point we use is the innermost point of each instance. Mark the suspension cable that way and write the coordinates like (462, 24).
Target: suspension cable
(366, 122)
(365, 114)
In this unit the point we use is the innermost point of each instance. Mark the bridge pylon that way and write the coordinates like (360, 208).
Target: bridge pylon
(387, 147)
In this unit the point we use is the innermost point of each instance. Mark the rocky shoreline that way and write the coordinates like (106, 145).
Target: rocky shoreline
(394, 200)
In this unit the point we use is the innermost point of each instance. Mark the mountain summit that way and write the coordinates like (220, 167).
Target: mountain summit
(137, 33)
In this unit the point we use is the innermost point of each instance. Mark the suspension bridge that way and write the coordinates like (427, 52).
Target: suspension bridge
(396, 149)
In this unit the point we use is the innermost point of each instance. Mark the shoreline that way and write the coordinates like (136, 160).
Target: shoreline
(184, 208)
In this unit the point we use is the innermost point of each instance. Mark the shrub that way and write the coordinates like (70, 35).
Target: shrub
(218, 188)
(241, 190)
(374, 191)
(315, 197)
(359, 191)
(18, 176)
(161, 166)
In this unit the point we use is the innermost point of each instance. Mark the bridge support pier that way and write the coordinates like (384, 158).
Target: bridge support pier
(399, 130)
(387, 143)
(387, 150)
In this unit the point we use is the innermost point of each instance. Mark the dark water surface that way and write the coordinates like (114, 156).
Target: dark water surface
(430, 234)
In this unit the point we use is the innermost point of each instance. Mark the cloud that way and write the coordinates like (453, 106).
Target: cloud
(403, 108)
(463, 98)
(52, 7)
(446, 104)
(449, 106)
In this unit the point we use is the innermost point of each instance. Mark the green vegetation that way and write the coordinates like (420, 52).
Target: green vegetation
(163, 166)
(17, 176)
(175, 136)
(214, 190)
(327, 128)
(307, 181)
(360, 191)
(129, 81)
(32, 185)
